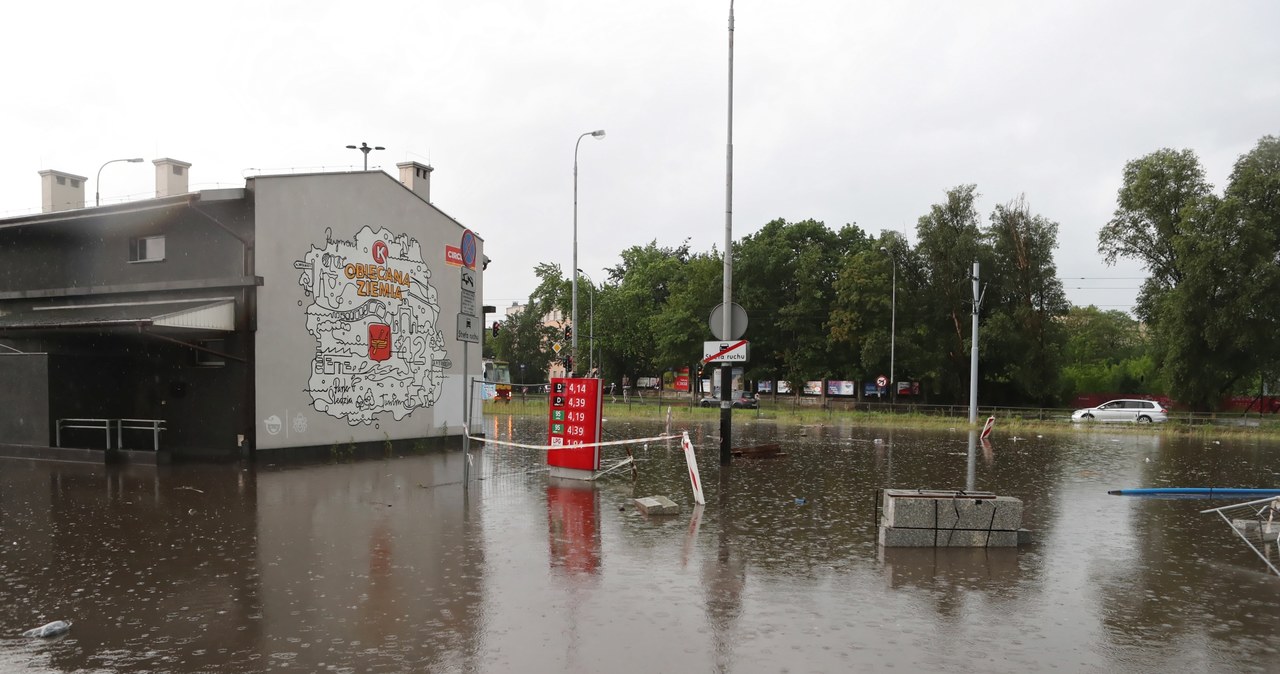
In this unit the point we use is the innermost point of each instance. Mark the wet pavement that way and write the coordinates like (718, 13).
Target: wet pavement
(393, 566)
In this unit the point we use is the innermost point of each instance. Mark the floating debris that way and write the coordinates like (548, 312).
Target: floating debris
(53, 629)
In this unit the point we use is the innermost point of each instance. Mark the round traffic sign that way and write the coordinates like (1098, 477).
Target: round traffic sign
(737, 321)
(882, 381)
(469, 249)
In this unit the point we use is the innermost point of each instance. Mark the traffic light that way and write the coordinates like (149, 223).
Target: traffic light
(568, 332)
(568, 365)
(496, 326)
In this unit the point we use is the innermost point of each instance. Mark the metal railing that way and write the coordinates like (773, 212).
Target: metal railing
(155, 426)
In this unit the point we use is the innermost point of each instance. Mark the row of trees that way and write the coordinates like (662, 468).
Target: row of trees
(819, 299)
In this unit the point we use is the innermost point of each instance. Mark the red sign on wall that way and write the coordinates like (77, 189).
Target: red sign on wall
(379, 341)
(574, 419)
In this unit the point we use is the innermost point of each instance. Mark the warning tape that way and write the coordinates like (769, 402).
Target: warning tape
(521, 445)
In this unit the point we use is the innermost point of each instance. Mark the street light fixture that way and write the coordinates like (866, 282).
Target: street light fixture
(893, 325)
(573, 349)
(97, 182)
(364, 147)
(591, 317)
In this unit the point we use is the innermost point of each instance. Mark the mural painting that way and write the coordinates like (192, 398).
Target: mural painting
(374, 316)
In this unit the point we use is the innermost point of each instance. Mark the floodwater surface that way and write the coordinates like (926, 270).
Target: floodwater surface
(396, 566)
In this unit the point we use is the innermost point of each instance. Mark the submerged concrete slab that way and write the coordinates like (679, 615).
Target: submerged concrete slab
(657, 505)
(998, 513)
(891, 537)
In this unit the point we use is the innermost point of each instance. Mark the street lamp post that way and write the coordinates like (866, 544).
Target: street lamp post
(893, 325)
(573, 349)
(97, 182)
(364, 147)
(591, 318)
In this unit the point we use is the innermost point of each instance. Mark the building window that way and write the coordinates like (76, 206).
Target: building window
(146, 249)
(61, 180)
(177, 170)
(206, 359)
(75, 183)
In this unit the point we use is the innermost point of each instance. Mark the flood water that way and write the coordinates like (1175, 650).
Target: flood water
(393, 566)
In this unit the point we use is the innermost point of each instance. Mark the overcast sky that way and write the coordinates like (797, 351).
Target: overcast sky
(844, 112)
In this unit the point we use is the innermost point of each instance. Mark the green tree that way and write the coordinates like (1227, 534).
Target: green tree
(949, 241)
(863, 314)
(1149, 215)
(644, 281)
(783, 275)
(1106, 352)
(1210, 303)
(1022, 337)
(525, 339)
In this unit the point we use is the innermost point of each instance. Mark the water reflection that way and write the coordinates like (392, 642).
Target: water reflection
(392, 566)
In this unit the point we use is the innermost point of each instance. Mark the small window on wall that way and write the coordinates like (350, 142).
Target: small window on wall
(204, 357)
(146, 249)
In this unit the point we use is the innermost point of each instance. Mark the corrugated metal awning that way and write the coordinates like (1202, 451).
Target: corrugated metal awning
(202, 314)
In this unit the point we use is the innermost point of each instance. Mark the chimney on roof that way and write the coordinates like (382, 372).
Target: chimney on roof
(60, 191)
(171, 176)
(416, 177)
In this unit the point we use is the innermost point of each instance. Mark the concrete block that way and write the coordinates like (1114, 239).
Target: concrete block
(946, 538)
(657, 505)
(1002, 512)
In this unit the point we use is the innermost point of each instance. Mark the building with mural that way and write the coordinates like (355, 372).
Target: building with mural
(300, 311)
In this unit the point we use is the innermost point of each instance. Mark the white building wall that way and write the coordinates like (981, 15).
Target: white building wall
(358, 312)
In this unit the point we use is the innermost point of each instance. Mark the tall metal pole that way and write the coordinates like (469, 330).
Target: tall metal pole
(893, 326)
(973, 355)
(726, 370)
(573, 348)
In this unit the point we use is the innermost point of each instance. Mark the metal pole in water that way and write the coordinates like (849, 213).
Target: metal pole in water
(726, 371)
(973, 355)
(466, 423)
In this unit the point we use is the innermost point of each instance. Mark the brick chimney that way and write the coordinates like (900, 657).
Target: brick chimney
(416, 177)
(171, 177)
(60, 191)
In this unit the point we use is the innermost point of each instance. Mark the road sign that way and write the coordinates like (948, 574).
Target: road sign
(469, 328)
(725, 352)
(556, 347)
(737, 321)
(468, 249)
(469, 302)
(469, 292)
(882, 381)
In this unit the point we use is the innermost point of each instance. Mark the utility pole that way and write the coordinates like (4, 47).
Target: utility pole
(973, 355)
(726, 369)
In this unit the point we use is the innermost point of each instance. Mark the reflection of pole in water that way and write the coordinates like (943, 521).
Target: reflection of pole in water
(971, 472)
(691, 536)
(725, 578)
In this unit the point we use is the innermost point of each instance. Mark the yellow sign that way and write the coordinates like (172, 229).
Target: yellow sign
(556, 347)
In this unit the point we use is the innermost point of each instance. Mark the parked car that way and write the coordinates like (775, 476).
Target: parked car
(741, 400)
(1132, 411)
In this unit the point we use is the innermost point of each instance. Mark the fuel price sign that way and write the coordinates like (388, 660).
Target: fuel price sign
(573, 420)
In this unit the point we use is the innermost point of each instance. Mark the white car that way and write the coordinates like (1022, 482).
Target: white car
(1131, 411)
